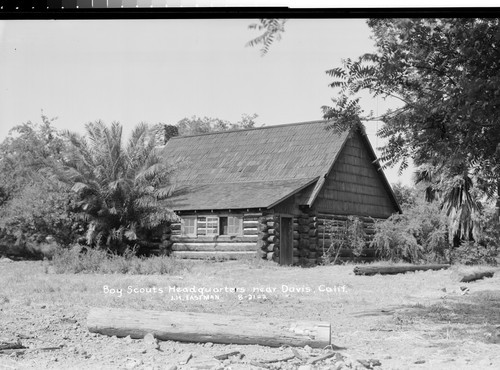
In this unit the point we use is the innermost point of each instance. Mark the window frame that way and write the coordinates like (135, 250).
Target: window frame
(195, 225)
(211, 222)
(238, 221)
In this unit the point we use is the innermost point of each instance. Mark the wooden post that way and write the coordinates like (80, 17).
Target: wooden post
(208, 327)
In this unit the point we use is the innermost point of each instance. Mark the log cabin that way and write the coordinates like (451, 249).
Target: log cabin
(271, 191)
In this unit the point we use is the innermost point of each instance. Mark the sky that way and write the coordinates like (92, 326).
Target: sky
(154, 71)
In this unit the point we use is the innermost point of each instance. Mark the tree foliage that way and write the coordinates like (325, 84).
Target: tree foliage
(25, 154)
(120, 187)
(445, 74)
(202, 125)
(423, 232)
(272, 29)
(32, 207)
(405, 195)
(420, 233)
(40, 212)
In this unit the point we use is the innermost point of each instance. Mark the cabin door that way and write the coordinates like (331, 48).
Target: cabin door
(286, 241)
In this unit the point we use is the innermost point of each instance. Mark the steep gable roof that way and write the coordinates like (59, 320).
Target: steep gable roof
(253, 168)
(273, 162)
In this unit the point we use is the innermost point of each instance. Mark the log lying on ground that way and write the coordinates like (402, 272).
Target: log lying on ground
(392, 270)
(476, 276)
(207, 327)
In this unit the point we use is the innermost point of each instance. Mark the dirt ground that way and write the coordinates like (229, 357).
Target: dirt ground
(421, 320)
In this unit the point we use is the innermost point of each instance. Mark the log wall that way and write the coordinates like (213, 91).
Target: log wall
(215, 247)
(305, 237)
(312, 237)
(269, 238)
(329, 226)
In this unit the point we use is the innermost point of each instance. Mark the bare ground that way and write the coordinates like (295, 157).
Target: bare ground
(421, 320)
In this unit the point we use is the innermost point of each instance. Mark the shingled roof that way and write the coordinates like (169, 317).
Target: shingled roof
(253, 168)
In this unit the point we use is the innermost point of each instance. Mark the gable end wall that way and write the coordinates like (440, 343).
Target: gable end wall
(354, 186)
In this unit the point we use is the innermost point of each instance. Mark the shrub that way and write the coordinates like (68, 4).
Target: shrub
(394, 240)
(419, 234)
(473, 253)
(37, 217)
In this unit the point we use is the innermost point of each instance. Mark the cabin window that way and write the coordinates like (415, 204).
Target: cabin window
(223, 226)
(235, 226)
(208, 225)
(188, 226)
(211, 225)
(230, 225)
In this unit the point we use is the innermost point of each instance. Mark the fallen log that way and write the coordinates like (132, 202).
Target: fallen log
(476, 276)
(208, 327)
(392, 270)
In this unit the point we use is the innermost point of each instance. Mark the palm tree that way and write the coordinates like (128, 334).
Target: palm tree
(459, 198)
(121, 188)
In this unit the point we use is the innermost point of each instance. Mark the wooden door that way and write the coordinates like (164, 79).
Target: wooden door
(286, 241)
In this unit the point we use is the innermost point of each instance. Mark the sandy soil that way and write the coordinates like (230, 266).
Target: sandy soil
(422, 320)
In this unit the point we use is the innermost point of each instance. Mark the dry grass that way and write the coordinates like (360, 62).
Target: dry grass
(75, 261)
(384, 312)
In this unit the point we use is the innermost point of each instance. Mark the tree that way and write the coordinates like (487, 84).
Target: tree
(405, 195)
(198, 125)
(32, 206)
(37, 213)
(25, 154)
(121, 188)
(445, 74)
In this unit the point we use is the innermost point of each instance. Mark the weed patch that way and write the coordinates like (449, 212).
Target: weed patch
(76, 261)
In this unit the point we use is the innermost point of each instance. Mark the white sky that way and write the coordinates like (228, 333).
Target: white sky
(164, 70)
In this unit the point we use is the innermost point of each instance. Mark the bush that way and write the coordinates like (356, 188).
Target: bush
(473, 253)
(88, 260)
(422, 234)
(38, 216)
(419, 234)
(394, 240)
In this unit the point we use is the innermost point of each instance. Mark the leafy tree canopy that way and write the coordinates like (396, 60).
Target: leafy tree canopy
(445, 73)
(25, 153)
(201, 125)
(32, 205)
(197, 125)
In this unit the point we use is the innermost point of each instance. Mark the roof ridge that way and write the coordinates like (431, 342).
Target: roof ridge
(251, 129)
(252, 182)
